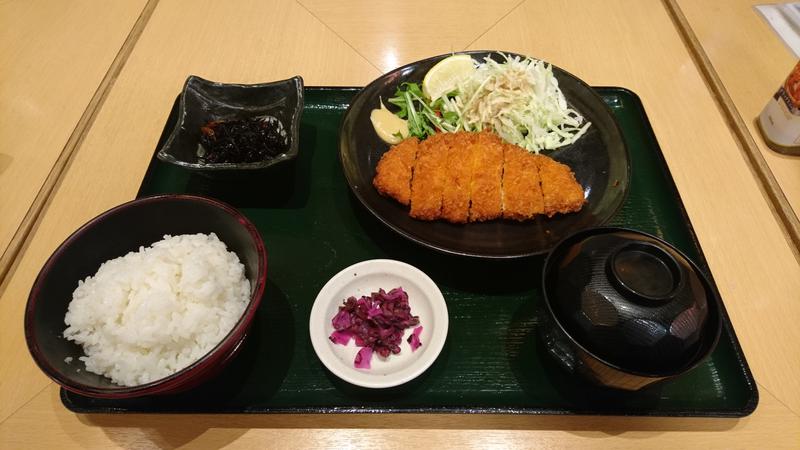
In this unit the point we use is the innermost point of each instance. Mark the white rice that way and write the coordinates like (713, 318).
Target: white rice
(151, 313)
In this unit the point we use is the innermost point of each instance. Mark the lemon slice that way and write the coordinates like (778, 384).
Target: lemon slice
(446, 74)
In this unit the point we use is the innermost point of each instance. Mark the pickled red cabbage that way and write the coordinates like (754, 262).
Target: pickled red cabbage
(377, 322)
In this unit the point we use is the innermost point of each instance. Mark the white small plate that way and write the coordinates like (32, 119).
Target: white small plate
(425, 300)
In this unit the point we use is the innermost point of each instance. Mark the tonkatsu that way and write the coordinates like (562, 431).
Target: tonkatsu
(522, 189)
(474, 177)
(427, 183)
(457, 183)
(486, 194)
(393, 174)
(560, 192)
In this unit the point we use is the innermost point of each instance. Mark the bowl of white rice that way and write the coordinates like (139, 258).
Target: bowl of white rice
(154, 296)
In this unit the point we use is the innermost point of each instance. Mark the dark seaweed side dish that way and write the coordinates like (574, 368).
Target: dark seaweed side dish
(242, 140)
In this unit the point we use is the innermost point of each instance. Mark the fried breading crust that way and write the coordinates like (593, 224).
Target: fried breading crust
(522, 191)
(393, 174)
(561, 192)
(458, 177)
(473, 177)
(487, 175)
(427, 183)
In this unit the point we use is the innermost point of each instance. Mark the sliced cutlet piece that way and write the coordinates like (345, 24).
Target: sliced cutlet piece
(522, 190)
(393, 174)
(427, 183)
(458, 175)
(487, 173)
(561, 192)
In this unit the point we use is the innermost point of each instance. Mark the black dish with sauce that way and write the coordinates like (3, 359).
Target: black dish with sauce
(226, 130)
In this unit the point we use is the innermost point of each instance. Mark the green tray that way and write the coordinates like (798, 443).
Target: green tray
(493, 361)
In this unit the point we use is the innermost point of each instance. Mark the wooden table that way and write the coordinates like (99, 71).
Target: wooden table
(745, 62)
(55, 58)
(638, 44)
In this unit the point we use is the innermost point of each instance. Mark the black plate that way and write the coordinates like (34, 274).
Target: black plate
(599, 159)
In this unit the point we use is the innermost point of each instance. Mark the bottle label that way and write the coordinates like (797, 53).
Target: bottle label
(790, 91)
(779, 121)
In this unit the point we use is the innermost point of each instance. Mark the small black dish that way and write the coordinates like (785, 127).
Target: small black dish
(204, 101)
(626, 308)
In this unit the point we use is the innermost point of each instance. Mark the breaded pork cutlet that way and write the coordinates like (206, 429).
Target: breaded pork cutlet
(487, 174)
(561, 192)
(522, 192)
(393, 174)
(427, 183)
(474, 177)
(458, 177)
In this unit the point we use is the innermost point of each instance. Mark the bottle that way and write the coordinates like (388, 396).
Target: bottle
(780, 120)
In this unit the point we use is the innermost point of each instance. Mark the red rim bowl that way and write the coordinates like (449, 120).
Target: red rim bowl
(112, 234)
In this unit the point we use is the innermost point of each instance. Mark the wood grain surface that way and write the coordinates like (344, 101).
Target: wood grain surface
(772, 426)
(754, 151)
(630, 43)
(752, 63)
(54, 57)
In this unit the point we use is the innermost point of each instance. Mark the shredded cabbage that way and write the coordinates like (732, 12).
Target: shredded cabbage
(520, 100)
